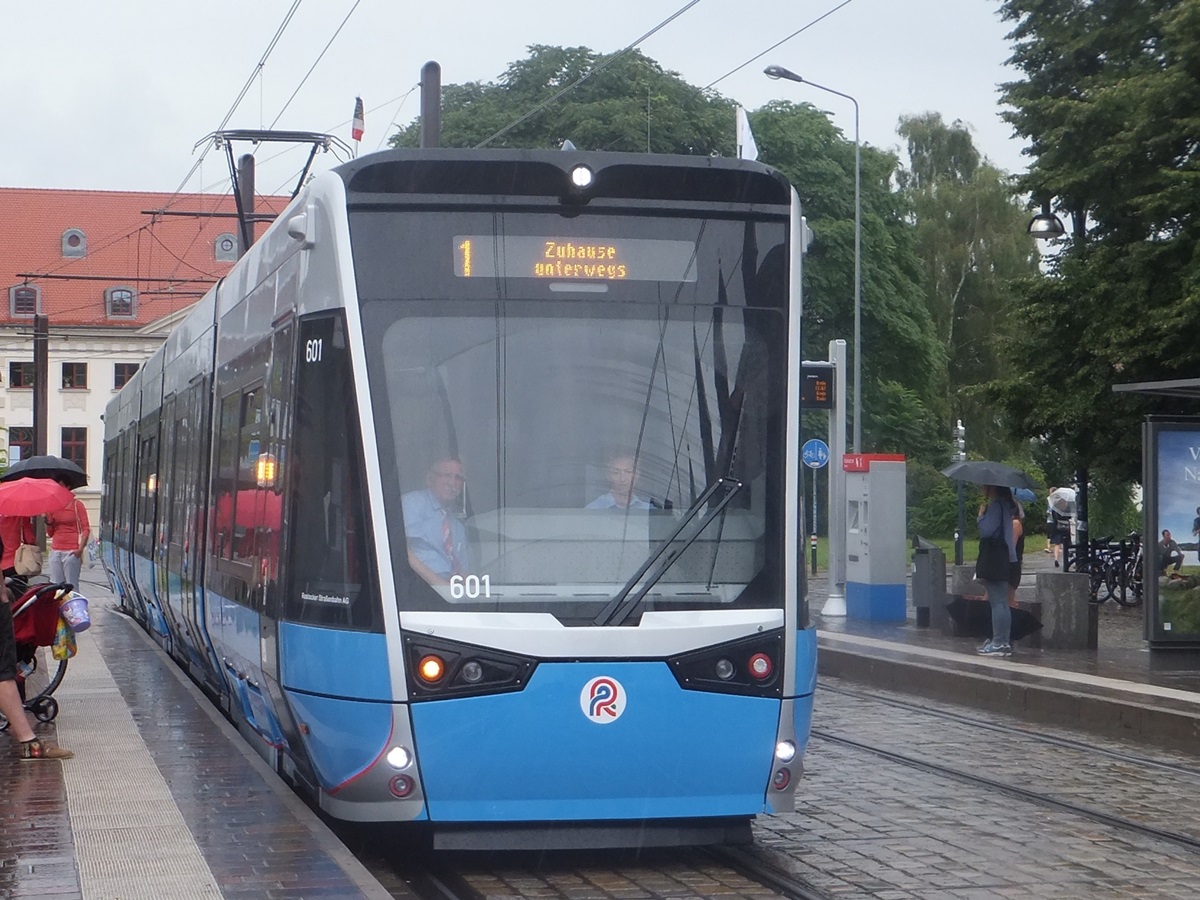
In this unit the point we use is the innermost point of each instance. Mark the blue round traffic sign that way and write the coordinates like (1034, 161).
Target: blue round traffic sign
(815, 453)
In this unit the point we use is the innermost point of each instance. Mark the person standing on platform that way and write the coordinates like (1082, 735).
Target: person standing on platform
(11, 707)
(69, 531)
(14, 531)
(995, 524)
(1014, 572)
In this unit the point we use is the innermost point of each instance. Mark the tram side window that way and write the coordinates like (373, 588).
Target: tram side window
(147, 487)
(226, 477)
(332, 581)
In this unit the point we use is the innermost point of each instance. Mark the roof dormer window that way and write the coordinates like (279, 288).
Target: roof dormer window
(24, 300)
(74, 243)
(120, 303)
(226, 248)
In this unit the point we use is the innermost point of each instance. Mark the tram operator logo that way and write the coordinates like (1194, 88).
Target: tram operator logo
(602, 700)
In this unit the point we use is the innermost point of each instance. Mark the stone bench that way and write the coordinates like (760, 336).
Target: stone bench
(1060, 602)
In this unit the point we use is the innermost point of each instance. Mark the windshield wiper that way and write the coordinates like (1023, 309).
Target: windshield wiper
(618, 609)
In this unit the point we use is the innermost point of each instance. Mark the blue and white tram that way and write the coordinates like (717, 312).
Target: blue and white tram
(473, 494)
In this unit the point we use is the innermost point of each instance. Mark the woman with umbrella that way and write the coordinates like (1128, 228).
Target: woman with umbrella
(997, 555)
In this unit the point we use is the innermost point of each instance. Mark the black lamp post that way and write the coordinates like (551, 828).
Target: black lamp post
(1047, 226)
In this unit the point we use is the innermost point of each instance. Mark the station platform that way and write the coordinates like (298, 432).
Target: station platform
(163, 798)
(1121, 689)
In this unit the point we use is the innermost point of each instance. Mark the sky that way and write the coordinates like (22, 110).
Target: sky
(115, 95)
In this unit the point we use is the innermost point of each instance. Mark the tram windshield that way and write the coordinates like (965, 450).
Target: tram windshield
(557, 448)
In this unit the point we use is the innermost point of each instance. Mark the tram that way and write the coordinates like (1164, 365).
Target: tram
(473, 495)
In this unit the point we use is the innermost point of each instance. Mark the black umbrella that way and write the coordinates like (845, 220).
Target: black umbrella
(973, 618)
(983, 471)
(47, 467)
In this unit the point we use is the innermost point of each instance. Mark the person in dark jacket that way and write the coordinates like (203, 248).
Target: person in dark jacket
(996, 520)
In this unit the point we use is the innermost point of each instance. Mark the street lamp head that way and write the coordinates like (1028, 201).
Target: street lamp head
(778, 72)
(1046, 225)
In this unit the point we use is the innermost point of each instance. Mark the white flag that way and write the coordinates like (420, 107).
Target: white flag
(746, 148)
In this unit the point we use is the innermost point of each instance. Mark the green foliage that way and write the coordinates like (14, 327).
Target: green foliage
(969, 232)
(630, 103)
(1108, 102)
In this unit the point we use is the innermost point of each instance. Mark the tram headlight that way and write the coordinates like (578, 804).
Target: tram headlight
(582, 177)
(785, 751)
(431, 668)
(399, 758)
(472, 672)
(724, 669)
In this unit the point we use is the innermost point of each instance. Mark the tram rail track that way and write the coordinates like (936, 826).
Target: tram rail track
(1031, 734)
(1040, 798)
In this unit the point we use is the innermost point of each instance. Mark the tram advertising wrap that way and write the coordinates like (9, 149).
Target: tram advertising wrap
(472, 494)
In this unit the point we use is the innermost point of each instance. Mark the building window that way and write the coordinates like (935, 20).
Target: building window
(225, 248)
(20, 444)
(122, 372)
(20, 374)
(74, 243)
(74, 376)
(74, 446)
(119, 303)
(24, 300)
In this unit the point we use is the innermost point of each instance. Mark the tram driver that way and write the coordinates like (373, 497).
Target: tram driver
(622, 475)
(437, 537)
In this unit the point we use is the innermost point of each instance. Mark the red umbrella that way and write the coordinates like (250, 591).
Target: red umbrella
(32, 497)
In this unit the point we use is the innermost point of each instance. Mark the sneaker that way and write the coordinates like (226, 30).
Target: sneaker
(990, 649)
(35, 749)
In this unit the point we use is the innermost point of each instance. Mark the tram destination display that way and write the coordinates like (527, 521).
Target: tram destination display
(574, 259)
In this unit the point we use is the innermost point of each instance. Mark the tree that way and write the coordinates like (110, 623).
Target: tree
(903, 366)
(970, 238)
(629, 103)
(1108, 103)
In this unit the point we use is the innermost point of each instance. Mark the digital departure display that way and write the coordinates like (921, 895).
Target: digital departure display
(816, 386)
(573, 259)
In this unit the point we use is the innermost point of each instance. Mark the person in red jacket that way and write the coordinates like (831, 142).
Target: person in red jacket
(69, 531)
(14, 531)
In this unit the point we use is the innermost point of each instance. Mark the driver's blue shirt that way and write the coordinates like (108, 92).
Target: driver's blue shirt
(608, 501)
(423, 517)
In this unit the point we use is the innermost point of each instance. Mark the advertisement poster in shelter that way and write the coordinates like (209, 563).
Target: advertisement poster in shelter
(1172, 481)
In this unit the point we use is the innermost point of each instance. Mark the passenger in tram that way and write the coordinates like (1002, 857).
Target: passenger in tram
(622, 477)
(69, 531)
(437, 537)
(11, 707)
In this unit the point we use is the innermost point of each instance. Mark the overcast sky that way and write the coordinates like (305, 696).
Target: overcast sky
(113, 95)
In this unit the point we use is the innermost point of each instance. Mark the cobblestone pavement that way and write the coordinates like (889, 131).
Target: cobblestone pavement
(870, 827)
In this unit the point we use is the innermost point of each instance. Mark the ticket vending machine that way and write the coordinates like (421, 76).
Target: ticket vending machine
(876, 543)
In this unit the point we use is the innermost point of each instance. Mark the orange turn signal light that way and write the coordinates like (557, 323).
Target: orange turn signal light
(431, 668)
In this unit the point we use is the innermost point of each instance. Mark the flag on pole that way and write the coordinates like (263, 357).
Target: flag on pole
(746, 148)
(356, 127)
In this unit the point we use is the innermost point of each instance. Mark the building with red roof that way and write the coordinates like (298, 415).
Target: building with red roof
(112, 271)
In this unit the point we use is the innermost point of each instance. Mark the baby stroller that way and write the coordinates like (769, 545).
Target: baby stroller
(36, 624)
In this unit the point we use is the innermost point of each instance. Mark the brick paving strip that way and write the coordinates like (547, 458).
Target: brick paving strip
(131, 841)
(166, 797)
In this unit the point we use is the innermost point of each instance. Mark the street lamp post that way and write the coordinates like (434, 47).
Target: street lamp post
(778, 72)
(1047, 226)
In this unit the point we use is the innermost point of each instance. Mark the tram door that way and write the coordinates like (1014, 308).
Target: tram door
(271, 477)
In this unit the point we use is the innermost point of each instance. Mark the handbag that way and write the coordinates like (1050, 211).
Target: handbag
(992, 563)
(28, 561)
